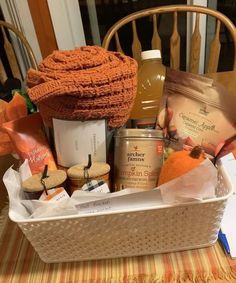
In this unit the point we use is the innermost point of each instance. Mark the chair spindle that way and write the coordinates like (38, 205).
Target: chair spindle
(3, 75)
(136, 45)
(11, 56)
(156, 41)
(175, 45)
(195, 47)
(118, 46)
(214, 52)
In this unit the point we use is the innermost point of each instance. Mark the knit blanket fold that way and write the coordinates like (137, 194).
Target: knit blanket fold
(83, 84)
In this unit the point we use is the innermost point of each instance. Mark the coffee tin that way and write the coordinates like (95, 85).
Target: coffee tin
(138, 158)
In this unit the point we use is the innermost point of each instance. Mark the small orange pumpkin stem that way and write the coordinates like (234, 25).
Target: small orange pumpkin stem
(196, 152)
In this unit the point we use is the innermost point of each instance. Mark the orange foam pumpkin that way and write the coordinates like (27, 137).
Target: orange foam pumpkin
(179, 163)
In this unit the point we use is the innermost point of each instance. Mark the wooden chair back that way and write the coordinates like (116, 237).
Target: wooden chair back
(10, 52)
(194, 54)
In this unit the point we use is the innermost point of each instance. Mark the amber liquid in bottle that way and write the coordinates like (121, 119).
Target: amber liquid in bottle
(151, 76)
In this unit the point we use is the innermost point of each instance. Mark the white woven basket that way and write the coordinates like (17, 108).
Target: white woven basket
(128, 233)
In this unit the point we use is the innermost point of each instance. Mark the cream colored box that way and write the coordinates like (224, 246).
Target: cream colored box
(75, 140)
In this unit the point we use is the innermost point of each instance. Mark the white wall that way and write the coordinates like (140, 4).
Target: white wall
(67, 23)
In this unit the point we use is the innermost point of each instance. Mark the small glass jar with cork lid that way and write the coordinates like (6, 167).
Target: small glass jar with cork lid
(78, 176)
(34, 186)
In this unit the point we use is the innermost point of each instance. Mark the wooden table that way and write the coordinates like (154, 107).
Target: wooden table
(228, 79)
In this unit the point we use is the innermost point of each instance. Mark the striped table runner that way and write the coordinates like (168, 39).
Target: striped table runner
(20, 263)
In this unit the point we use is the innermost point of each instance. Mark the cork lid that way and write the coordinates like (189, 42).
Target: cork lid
(54, 179)
(96, 169)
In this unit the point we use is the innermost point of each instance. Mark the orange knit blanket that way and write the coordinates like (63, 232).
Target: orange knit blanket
(83, 84)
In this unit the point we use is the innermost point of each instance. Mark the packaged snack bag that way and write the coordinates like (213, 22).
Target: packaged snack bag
(15, 109)
(197, 111)
(29, 141)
